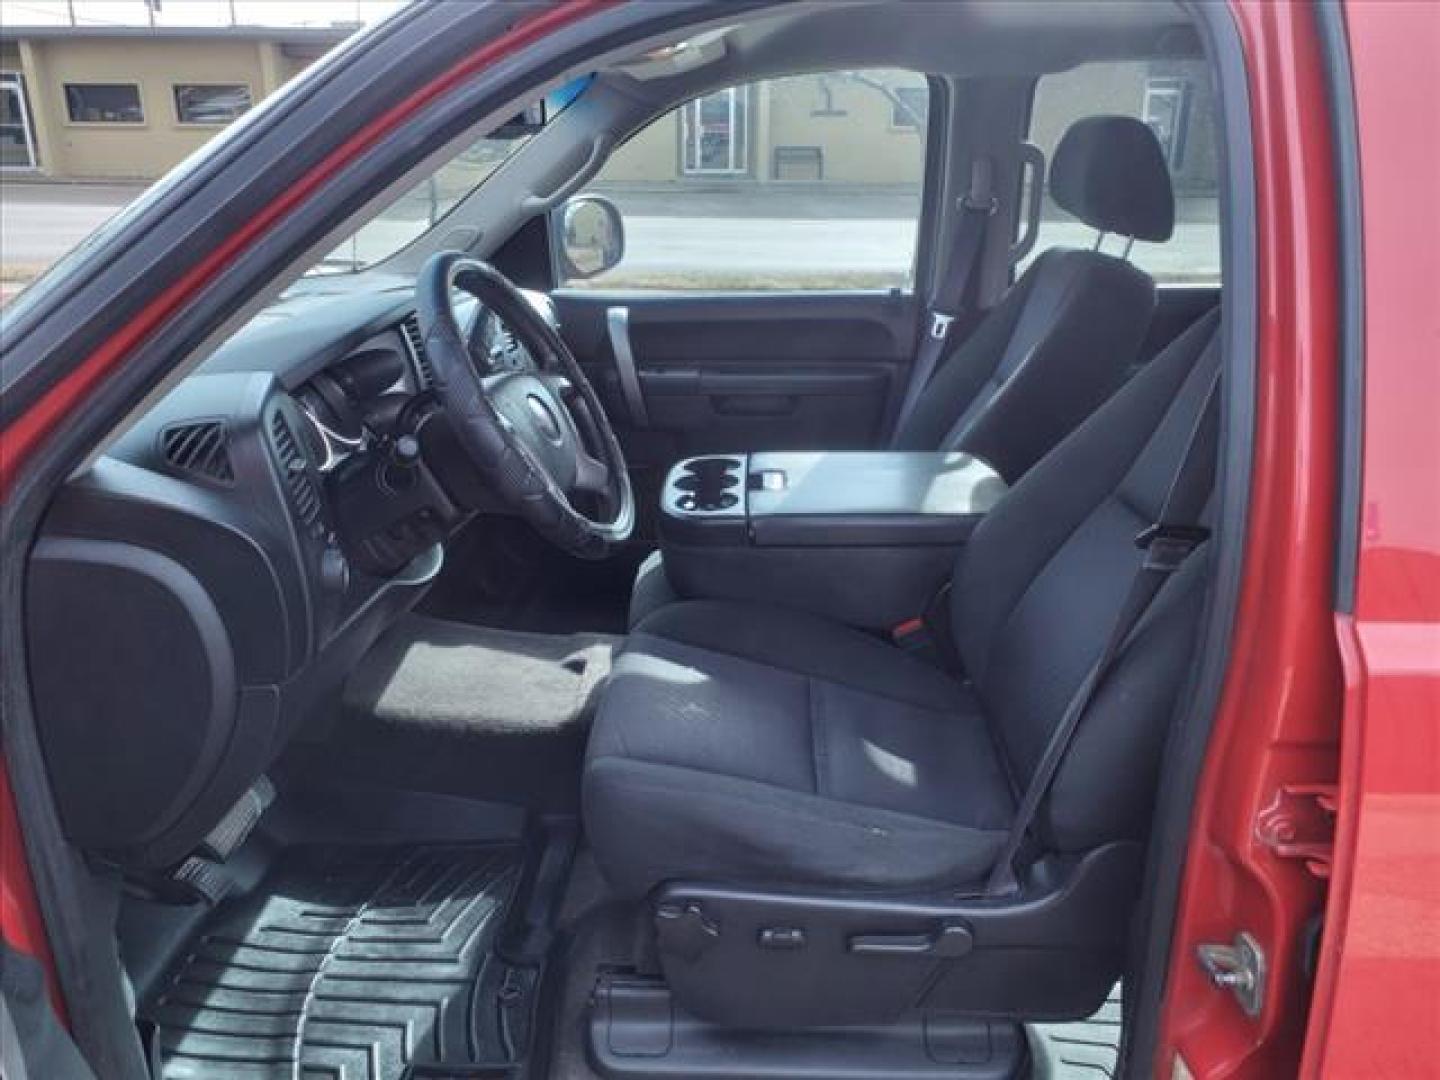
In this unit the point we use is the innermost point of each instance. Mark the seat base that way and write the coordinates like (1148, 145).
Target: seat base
(637, 1030)
(792, 958)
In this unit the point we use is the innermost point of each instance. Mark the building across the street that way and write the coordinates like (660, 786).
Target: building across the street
(129, 102)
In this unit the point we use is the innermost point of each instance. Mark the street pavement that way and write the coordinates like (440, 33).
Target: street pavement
(41, 222)
(684, 239)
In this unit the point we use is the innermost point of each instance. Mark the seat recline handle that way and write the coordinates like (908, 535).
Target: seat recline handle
(946, 943)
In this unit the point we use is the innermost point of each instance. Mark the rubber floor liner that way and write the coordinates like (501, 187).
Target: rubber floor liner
(1082, 1050)
(350, 963)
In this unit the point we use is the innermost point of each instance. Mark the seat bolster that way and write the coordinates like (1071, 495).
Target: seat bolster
(652, 590)
(650, 823)
(804, 645)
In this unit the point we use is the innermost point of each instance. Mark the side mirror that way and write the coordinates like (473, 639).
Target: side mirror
(591, 236)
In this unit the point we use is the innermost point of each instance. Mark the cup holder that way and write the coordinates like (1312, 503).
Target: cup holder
(708, 485)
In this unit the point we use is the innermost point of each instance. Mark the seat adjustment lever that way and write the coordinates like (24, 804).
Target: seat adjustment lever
(684, 930)
(947, 942)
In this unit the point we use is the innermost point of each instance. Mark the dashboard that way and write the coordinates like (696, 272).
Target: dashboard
(212, 579)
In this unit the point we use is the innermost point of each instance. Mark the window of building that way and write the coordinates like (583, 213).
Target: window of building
(210, 103)
(1175, 98)
(754, 188)
(104, 103)
(715, 136)
(17, 140)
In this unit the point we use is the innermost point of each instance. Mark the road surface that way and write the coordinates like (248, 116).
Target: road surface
(699, 240)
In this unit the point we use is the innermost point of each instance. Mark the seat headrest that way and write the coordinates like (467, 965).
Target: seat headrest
(1110, 172)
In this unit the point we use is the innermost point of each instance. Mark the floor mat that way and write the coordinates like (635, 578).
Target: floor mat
(1083, 1050)
(353, 962)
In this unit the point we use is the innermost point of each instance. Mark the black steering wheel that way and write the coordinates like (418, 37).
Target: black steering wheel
(539, 438)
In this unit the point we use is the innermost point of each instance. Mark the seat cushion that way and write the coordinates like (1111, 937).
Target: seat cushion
(742, 743)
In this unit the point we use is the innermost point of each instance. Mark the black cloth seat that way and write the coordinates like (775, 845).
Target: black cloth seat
(740, 743)
(783, 746)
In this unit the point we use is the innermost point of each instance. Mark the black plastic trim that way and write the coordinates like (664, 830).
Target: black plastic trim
(1345, 138)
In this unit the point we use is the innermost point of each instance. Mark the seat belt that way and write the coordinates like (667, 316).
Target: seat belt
(1167, 544)
(976, 209)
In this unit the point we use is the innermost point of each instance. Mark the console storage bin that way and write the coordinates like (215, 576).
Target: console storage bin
(866, 538)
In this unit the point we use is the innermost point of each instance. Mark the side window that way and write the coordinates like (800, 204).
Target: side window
(1174, 97)
(797, 183)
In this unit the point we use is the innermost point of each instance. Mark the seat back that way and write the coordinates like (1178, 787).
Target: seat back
(1063, 337)
(1041, 580)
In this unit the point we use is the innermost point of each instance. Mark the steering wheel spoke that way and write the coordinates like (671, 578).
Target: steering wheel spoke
(592, 475)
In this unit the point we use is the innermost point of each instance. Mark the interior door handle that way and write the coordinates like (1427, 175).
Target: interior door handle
(617, 325)
(947, 942)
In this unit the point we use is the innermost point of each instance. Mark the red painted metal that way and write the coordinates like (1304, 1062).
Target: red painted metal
(1376, 1010)
(21, 925)
(27, 432)
(1279, 712)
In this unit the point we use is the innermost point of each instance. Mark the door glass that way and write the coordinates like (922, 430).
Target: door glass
(806, 182)
(17, 150)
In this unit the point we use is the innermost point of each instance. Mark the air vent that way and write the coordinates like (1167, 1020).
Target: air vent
(296, 471)
(201, 449)
(411, 328)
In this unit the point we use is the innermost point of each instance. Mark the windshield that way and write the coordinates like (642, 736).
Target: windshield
(419, 209)
(422, 206)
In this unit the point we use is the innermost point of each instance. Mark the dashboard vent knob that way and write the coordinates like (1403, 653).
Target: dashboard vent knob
(200, 448)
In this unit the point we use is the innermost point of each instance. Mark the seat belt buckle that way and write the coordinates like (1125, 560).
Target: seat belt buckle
(1167, 546)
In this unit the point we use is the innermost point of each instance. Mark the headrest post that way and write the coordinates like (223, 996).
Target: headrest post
(1099, 239)
(1129, 243)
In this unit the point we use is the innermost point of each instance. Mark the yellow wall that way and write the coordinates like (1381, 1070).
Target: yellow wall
(137, 151)
(853, 132)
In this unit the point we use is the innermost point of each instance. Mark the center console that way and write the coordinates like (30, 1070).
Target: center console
(866, 538)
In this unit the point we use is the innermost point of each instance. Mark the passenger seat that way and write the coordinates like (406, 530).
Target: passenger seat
(1061, 340)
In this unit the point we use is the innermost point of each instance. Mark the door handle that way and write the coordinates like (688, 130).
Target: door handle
(617, 325)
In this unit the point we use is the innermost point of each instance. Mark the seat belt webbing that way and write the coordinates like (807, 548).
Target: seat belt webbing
(1167, 544)
(976, 209)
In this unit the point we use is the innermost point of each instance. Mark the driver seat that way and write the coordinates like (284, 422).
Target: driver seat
(741, 751)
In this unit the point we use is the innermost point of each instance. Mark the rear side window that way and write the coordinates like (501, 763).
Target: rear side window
(797, 183)
(1174, 97)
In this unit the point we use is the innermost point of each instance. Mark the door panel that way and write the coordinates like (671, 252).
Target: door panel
(744, 373)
